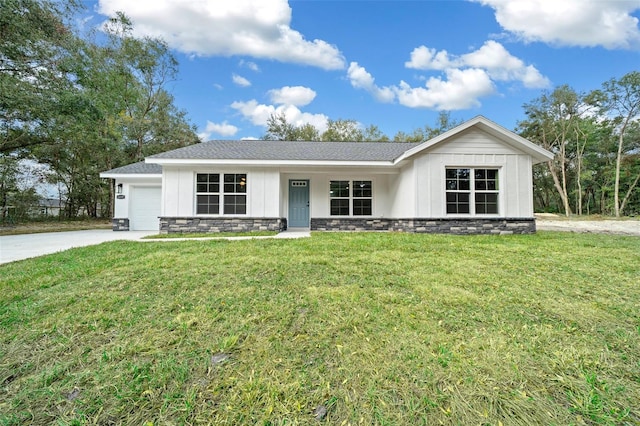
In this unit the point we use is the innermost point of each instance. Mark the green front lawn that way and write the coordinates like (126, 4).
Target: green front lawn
(211, 235)
(377, 328)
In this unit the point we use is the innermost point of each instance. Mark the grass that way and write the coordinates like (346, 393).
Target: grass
(341, 328)
(212, 235)
(37, 227)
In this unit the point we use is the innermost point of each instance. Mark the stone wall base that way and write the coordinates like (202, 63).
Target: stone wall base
(458, 226)
(185, 225)
(120, 224)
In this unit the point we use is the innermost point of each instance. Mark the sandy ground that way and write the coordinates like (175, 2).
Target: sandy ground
(555, 223)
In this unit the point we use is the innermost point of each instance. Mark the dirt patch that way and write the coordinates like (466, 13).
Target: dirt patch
(545, 222)
(54, 226)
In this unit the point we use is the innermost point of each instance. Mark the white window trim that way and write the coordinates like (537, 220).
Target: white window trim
(351, 197)
(221, 193)
(472, 191)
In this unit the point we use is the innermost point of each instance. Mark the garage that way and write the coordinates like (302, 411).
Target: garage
(145, 208)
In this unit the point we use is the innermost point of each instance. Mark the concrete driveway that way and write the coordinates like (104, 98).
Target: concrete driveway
(18, 247)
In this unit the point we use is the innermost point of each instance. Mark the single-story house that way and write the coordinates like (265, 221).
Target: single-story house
(475, 178)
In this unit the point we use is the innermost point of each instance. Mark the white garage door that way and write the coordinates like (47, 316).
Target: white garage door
(144, 208)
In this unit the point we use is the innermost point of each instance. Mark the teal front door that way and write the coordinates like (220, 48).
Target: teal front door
(298, 203)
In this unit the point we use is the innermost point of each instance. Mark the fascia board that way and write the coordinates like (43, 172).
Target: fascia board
(267, 163)
(130, 176)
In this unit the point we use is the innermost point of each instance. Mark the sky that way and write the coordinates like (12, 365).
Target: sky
(393, 64)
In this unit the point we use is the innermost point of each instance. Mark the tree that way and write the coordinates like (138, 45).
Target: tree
(151, 122)
(553, 121)
(342, 130)
(279, 129)
(35, 41)
(374, 134)
(621, 99)
(443, 123)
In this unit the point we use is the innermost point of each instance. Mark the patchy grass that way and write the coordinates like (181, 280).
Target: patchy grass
(37, 227)
(212, 235)
(376, 328)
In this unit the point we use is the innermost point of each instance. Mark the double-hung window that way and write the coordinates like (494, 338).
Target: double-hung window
(472, 191)
(351, 198)
(228, 190)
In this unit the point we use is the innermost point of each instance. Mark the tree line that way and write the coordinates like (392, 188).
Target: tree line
(80, 103)
(595, 137)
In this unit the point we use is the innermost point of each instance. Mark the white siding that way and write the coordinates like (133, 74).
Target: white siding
(319, 200)
(515, 181)
(179, 190)
(402, 193)
(474, 141)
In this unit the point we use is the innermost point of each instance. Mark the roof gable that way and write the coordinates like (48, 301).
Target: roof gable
(497, 132)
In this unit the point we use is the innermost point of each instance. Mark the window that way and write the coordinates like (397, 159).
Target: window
(234, 185)
(211, 194)
(208, 193)
(472, 191)
(351, 198)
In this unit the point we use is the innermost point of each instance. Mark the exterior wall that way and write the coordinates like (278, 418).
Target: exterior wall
(170, 225)
(459, 226)
(178, 192)
(402, 192)
(319, 200)
(121, 205)
(475, 149)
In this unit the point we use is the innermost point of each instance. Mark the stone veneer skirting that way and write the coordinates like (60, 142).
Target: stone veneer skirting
(120, 224)
(169, 225)
(459, 226)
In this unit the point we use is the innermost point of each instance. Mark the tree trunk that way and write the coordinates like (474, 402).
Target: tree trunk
(616, 189)
(560, 188)
(626, 197)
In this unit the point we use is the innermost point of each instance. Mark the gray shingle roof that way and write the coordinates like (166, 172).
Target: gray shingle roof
(287, 151)
(137, 168)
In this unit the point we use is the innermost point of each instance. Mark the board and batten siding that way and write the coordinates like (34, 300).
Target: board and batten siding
(319, 200)
(178, 185)
(475, 149)
(402, 192)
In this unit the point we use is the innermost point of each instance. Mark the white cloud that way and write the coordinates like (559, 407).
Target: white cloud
(256, 28)
(251, 65)
(222, 129)
(240, 81)
(570, 22)
(467, 78)
(461, 90)
(360, 78)
(492, 57)
(292, 95)
(258, 114)
(424, 58)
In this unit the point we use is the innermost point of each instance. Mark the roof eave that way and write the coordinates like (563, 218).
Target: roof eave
(130, 175)
(267, 163)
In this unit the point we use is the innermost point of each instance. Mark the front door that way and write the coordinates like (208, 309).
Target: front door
(298, 204)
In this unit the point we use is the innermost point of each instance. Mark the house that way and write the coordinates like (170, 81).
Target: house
(475, 178)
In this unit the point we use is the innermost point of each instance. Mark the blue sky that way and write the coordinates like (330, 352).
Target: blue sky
(394, 64)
